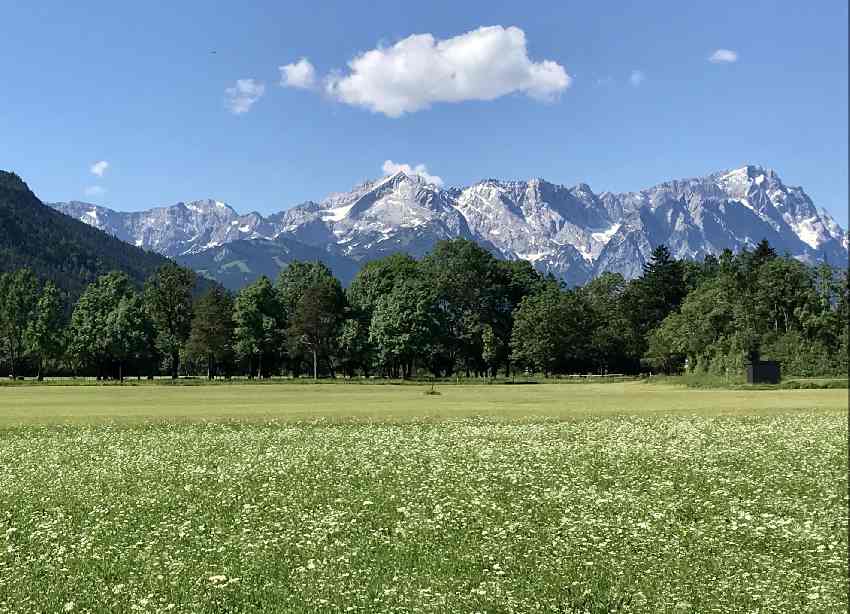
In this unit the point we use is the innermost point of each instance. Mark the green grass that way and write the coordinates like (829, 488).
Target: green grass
(625, 497)
(388, 403)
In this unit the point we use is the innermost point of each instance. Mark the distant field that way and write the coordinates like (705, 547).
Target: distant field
(299, 402)
(621, 497)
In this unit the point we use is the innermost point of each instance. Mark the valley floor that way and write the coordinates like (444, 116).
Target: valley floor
(623, 497)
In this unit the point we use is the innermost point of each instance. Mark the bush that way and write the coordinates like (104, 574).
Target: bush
(832, 384)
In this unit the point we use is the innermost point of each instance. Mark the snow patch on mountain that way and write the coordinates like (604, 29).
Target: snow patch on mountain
(605, 235)
(336, 214)
(806, 232)
(533, 257)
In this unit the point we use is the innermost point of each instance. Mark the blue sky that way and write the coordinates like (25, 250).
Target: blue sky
(136, 85)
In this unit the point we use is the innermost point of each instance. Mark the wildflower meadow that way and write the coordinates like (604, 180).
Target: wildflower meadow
(649, 512)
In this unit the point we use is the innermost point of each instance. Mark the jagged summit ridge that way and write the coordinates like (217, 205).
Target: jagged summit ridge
(183, 228)
(572, 232)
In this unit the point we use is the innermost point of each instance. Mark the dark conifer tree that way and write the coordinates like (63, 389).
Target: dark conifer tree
(211, 338)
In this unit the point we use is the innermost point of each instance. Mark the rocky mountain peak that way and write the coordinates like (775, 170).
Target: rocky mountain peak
(569, 231)
(739, 181)
(208, 206)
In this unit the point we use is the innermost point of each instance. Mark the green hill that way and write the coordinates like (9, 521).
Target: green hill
(60, 248)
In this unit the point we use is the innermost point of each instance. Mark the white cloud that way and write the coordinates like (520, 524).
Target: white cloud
(300, 74)
(95, 190)
(418, 71)
(391, 168)
(637, 77)
(99, 168)
(723, 56)
(243, 95)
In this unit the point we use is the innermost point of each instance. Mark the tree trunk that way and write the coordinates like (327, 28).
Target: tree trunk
(175, 364)
(315, 366)
(260, 365)
(209, 366)
(121, 371)
(12, 360)
(39, 375)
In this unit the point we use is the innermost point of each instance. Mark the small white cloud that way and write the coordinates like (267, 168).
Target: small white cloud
(420, 70)
(300, 74)
(95, 190)
(99, 168)
(723, 56)
(637, 77)
(391, 168)
(243, 95)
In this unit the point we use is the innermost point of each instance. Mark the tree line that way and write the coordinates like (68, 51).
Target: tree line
(458, 310)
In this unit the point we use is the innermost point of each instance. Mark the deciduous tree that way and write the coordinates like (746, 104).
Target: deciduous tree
(168, 299)
(106, 322)
(549, 332)
(403, 324)
(259, 325)
(128, 331)
(315, 321)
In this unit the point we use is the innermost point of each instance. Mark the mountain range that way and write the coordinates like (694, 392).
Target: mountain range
(571, 232)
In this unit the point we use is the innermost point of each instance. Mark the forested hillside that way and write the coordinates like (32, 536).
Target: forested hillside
(56, 247)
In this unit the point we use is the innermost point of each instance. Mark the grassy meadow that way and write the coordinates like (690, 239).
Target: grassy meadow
(618, 497)
(337, 401)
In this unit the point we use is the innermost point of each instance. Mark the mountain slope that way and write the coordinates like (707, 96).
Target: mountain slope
(238, 263)
(571, 232)
(56, 247)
